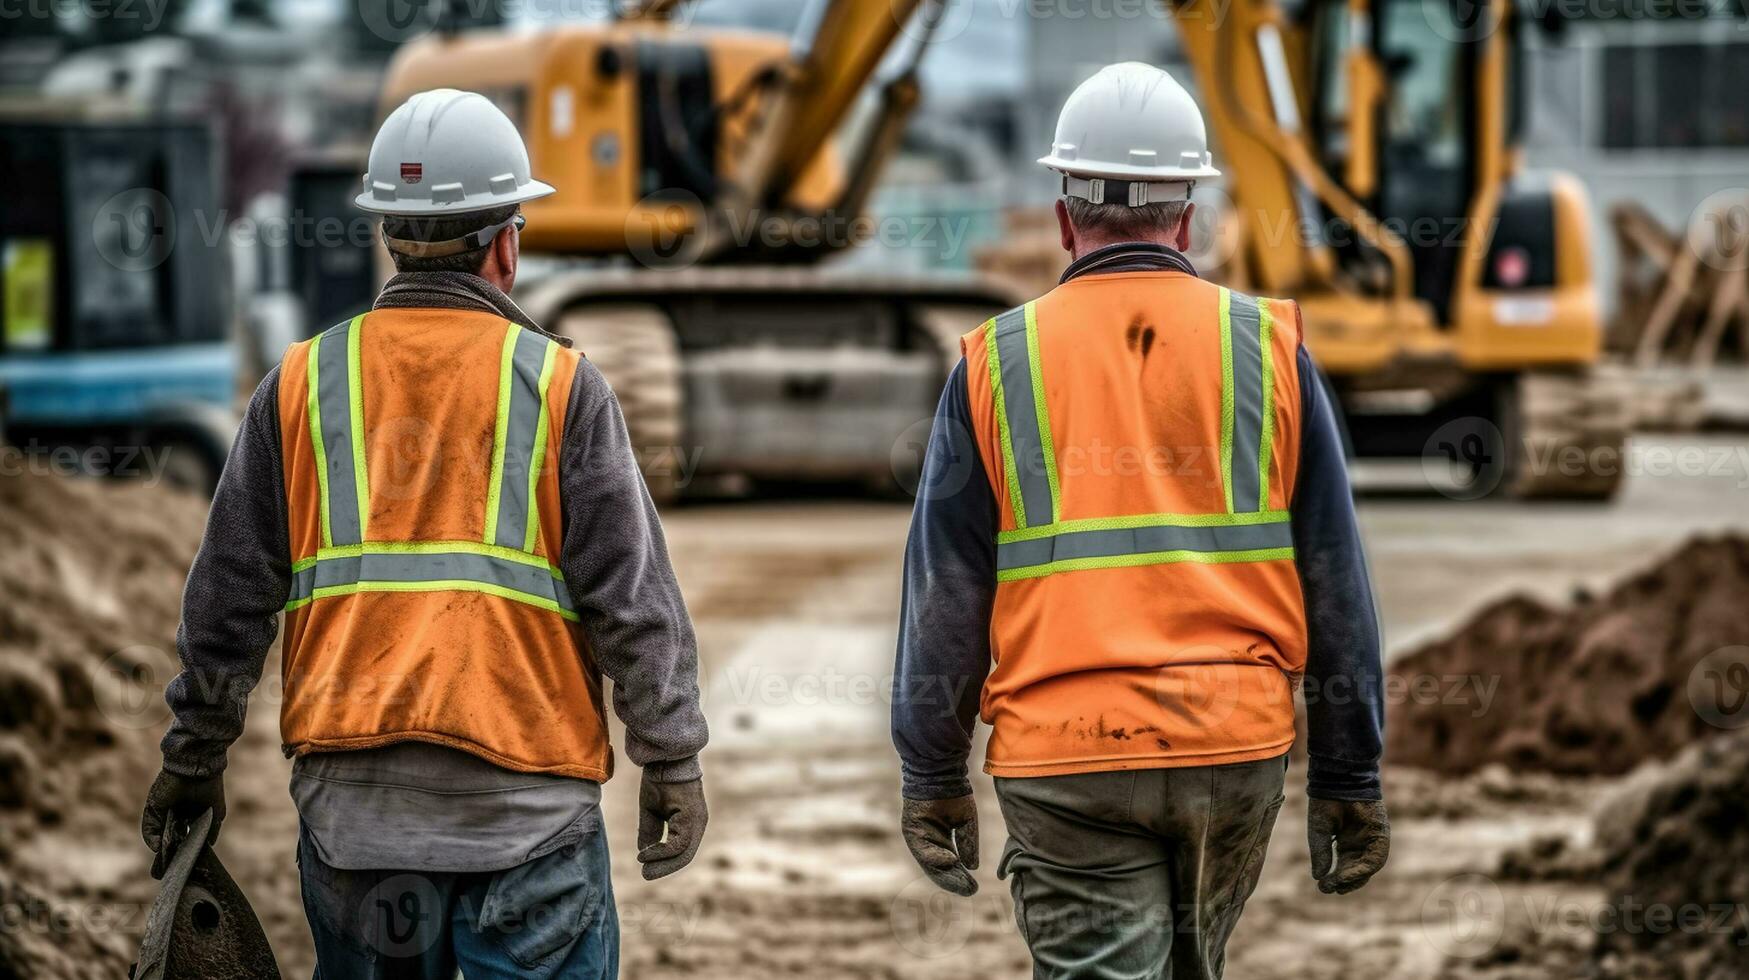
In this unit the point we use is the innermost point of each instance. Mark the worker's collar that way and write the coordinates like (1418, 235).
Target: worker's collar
(455, 291)
(1128, 257)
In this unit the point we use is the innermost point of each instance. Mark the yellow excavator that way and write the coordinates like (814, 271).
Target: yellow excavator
(1374, 169)
(703, 161)
(1371, 153)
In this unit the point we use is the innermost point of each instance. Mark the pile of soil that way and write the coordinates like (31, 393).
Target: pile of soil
(89, 595)
(1595, 688)
(1678, 844)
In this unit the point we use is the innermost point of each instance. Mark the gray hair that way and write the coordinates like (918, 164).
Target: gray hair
(1118, 220)
(442, 229)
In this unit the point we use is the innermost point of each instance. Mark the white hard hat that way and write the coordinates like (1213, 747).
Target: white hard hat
(447, 152)
(1130, 135)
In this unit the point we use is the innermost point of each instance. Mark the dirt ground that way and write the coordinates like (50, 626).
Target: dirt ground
(803, 874)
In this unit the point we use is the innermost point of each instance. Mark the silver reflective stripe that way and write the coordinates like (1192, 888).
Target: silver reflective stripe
(1141, 541)
(1022, 413)
(519, 432)
(334, 396)
(458, 569)
(303, 583)
(1247, 401)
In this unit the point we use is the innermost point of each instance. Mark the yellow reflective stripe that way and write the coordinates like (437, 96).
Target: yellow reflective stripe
(1266, 335)
(1141, 520)
(1150, 558)
(1227, 410)
(539, 456)
(312, 377)
(494, 483)
(334, 406)
(355, 385)
(1047, 444)
(994, 358)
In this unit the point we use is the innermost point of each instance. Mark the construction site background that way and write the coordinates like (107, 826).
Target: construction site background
(1568, 698)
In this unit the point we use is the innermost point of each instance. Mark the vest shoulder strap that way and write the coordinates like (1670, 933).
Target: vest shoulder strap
(1029, 458)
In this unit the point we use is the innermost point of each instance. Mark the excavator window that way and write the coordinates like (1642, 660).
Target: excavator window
(1427, 146)
(1332, 33)
(1423, 150)
(678, 122)
(1427, 126)
(1424, 112)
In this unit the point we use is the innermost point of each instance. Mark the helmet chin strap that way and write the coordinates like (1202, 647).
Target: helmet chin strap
(451, 246)
(1134, 193)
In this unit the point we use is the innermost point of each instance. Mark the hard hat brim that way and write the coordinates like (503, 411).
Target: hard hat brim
(1093, 168)
(530, 191)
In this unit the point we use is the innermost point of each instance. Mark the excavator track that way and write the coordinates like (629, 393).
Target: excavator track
(1566, 433)
(634, 348)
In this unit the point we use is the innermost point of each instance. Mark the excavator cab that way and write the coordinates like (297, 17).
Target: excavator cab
(1395, 116)
(705, 176)
(1373, 161)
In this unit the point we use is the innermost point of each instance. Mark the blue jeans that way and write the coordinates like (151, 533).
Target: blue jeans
(550, 917)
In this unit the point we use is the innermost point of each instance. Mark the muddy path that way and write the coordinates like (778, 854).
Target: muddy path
(803, 873)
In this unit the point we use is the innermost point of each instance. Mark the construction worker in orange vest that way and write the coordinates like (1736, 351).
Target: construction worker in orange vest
(442, 500)
(1135, 506)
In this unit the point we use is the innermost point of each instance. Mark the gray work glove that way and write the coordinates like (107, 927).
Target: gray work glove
(1359, 833)
(174, 802)
(679, 806)
(943, 837)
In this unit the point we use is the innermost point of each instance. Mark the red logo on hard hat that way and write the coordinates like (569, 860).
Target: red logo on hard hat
(411, 172)
(1512, 267)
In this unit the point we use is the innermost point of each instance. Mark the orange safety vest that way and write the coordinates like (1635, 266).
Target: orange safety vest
(1141, 432)
(421, 455)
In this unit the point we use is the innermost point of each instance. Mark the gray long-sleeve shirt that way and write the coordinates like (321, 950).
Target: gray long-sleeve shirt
(613, 556)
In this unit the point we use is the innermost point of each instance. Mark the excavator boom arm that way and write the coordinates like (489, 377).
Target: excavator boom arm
(837, 49)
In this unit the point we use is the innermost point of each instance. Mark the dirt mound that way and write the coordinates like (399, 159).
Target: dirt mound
(1595, 688)
(1675, 855)
(89, 595)
(35, 945)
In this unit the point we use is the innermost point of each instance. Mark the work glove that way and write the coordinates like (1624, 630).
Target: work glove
(174, 802)
(1359, 833)
(943, 838)
(679, 806)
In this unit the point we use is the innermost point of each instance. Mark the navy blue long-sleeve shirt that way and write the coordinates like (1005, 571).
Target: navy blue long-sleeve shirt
(950, 587)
